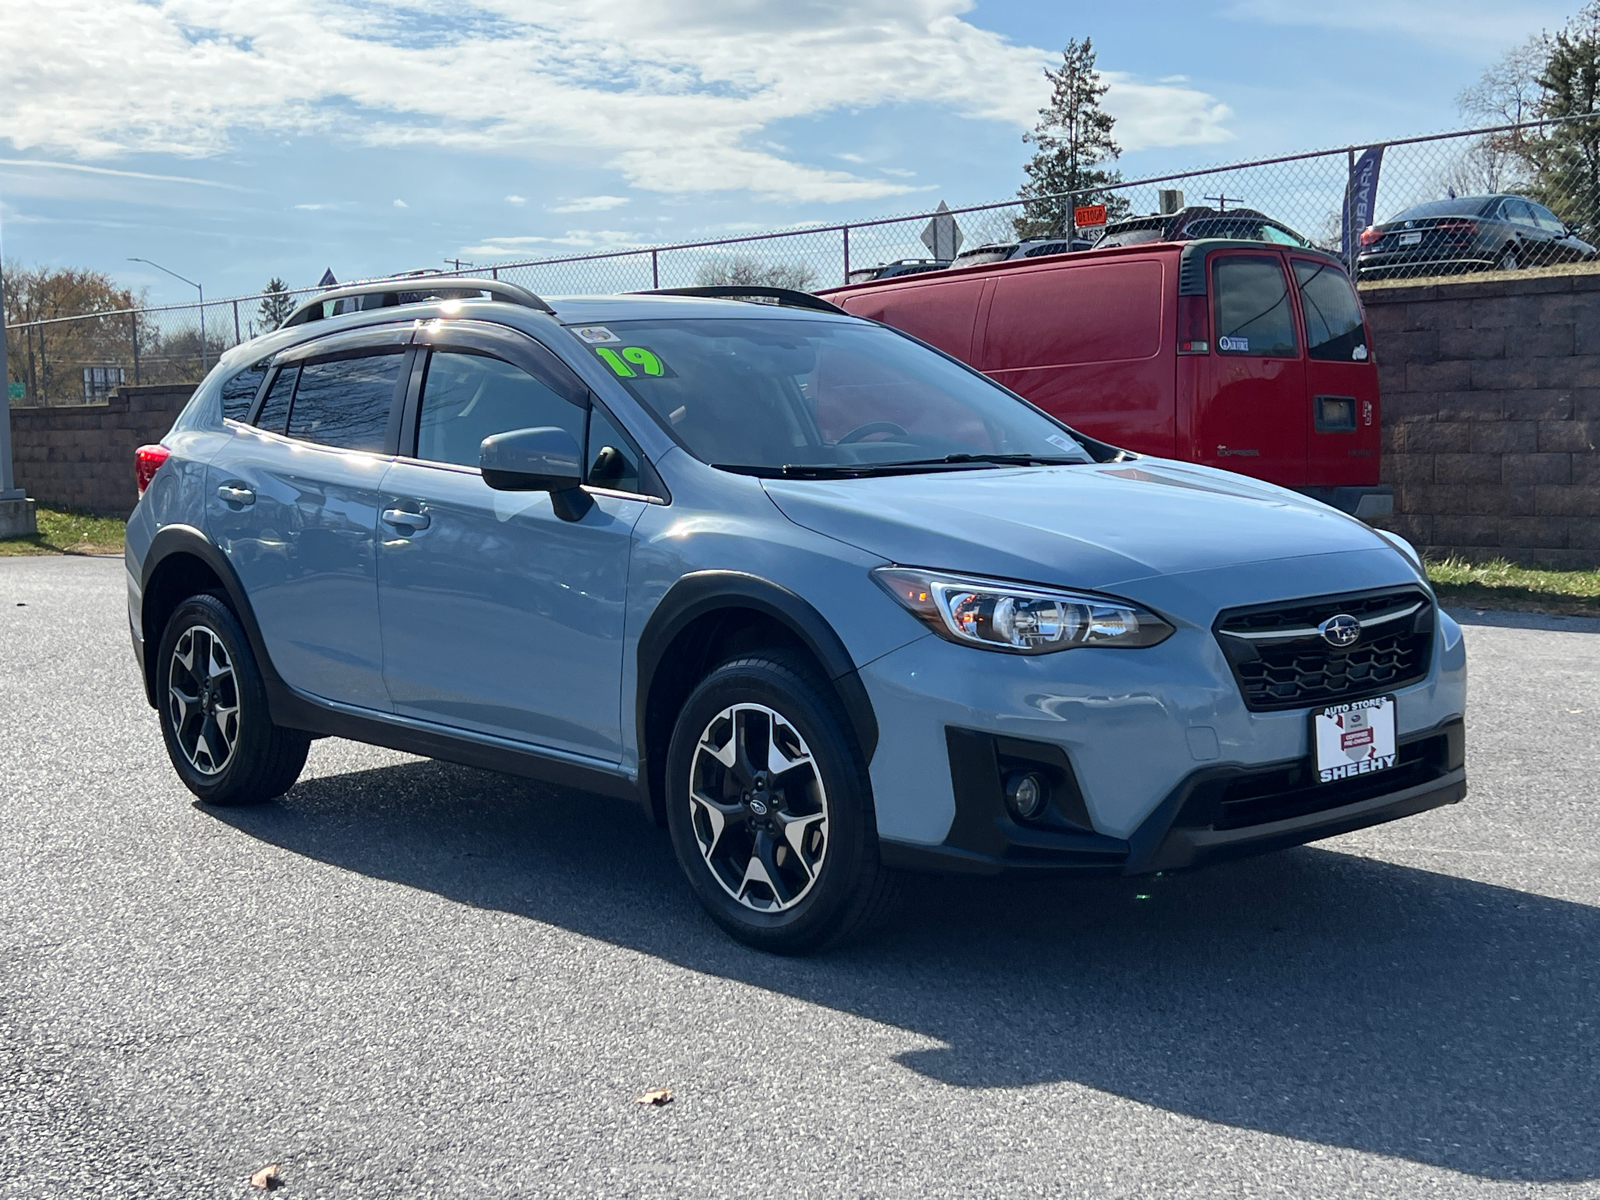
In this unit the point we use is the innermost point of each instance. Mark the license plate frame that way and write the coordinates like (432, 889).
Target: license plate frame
(1411, 239)
(1356, 738)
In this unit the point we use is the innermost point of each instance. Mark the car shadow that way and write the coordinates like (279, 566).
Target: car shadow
(1310, 994)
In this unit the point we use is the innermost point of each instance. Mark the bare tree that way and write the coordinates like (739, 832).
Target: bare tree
(742, 269)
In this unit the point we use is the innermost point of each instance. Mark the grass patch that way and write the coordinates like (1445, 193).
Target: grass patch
(62, 531)
(1500, 584)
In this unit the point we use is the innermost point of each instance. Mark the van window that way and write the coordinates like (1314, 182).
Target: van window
(1253, 311)
(1075, 314)
(1334, 332)
(345, 403)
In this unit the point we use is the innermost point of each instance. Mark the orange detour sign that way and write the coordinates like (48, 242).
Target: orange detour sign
(1089, 215)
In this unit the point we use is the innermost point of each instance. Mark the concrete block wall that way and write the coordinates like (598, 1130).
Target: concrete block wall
(1491, 411)
(82, 456)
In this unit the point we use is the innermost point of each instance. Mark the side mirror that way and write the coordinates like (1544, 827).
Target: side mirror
(546, 459)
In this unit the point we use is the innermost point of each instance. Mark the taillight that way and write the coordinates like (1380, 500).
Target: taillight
(147, 461)
(1371, 235)
(1194, 325)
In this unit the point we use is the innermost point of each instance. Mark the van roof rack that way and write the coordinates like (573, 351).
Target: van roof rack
(388, 292)
(785, 297)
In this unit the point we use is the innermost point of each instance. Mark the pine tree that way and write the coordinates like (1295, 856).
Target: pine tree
(1073, 137)
(276, 305)
(1567, 158)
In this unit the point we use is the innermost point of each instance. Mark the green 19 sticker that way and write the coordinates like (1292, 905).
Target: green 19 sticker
(637, 355)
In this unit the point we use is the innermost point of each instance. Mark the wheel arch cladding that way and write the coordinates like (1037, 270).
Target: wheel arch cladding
(709, 617)
(180, 563)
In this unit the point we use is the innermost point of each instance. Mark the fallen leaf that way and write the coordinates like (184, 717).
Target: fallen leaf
(659, 1097)
(267, 1178)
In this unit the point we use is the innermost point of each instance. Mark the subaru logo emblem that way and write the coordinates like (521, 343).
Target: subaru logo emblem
(758, 806)
(1342, 630)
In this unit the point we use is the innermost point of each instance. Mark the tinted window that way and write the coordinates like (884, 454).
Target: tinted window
(1254, 315)
(1517, 211)
(765, 393)
(468, 397)
(1547, 220)
(1334, 331)
(239, 392)
(275, 408)
(611, 458)
(346, 402)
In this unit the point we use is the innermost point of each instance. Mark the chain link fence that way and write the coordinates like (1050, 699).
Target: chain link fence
(1510, 197)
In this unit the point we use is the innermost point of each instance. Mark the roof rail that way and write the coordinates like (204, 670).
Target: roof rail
(387, 293)
(786, 297)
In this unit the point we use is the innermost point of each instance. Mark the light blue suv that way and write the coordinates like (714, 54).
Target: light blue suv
(826, 603)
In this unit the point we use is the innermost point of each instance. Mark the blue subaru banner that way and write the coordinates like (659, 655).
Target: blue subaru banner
(1361, 193)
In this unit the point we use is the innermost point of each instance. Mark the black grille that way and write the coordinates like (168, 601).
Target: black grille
(1281, 662)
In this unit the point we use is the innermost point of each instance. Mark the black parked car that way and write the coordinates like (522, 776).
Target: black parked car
(1466, 233)
(901, 266)
(1199, 221)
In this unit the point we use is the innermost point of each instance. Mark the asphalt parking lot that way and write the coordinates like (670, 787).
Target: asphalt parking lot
(413, 979)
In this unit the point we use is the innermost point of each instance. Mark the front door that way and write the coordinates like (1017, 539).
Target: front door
(293, 503)
(499, 616)
(1344, 435)
(1251, 415)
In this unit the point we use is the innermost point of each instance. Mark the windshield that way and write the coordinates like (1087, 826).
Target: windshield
(820, 396)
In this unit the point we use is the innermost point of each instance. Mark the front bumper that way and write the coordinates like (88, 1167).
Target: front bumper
(1363, 502)
(1213, 815)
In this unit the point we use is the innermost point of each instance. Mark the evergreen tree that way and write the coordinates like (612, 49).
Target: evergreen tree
(1073, 137)
(1567, 157)
(276, 305)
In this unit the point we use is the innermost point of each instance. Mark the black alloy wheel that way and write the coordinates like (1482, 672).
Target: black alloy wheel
(1509, 260)
(213, 705)
(770, 808)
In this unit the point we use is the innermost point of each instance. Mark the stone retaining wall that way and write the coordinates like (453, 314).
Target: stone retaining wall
(82, 456)
(1491, 407)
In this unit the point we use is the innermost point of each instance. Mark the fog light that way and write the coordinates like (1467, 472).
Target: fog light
(1026, 794)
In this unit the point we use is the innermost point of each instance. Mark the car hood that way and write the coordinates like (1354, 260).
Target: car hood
(1093, 526)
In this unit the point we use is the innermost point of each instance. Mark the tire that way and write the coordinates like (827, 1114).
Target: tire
(1508, 260)
(213, 709)
(783, 853)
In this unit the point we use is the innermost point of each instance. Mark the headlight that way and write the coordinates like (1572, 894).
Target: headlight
(1018, 618)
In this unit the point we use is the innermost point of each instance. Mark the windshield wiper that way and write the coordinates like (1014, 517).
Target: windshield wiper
(1025, 460)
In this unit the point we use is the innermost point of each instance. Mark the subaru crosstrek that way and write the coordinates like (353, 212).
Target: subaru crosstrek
(828, 604)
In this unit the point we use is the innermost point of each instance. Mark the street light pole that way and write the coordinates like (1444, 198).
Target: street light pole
(199, 289)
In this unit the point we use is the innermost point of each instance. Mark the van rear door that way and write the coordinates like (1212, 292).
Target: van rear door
(1342, 439)
(942, 313)
(1251, 416)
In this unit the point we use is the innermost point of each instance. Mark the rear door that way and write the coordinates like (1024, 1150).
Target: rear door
(1343, 437)
(1251, 415)
(293, 503)
(1092, 344)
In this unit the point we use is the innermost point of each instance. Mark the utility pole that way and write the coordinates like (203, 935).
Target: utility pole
(16, 510)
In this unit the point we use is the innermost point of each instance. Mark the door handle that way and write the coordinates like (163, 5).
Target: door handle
(235, 494)
(402, 519)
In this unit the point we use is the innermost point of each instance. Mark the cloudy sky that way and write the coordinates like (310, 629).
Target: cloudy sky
(232, 140)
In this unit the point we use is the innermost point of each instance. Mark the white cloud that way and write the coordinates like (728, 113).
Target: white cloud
(40, 164)
(852, 158)
(401, 204)
(900, 172)
(516, 200)
(1163, 114)
(580, 239)
(674, 96)
(1473, 27)
(591, 204)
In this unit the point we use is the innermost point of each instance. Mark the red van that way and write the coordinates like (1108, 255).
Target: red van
(1248, 356)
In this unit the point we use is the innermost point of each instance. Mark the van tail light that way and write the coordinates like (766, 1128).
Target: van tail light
(1371, 235)
(147, 461)
(1194, 325)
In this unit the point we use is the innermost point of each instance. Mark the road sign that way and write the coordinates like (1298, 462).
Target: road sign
(1089, 215)
(942, 236)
